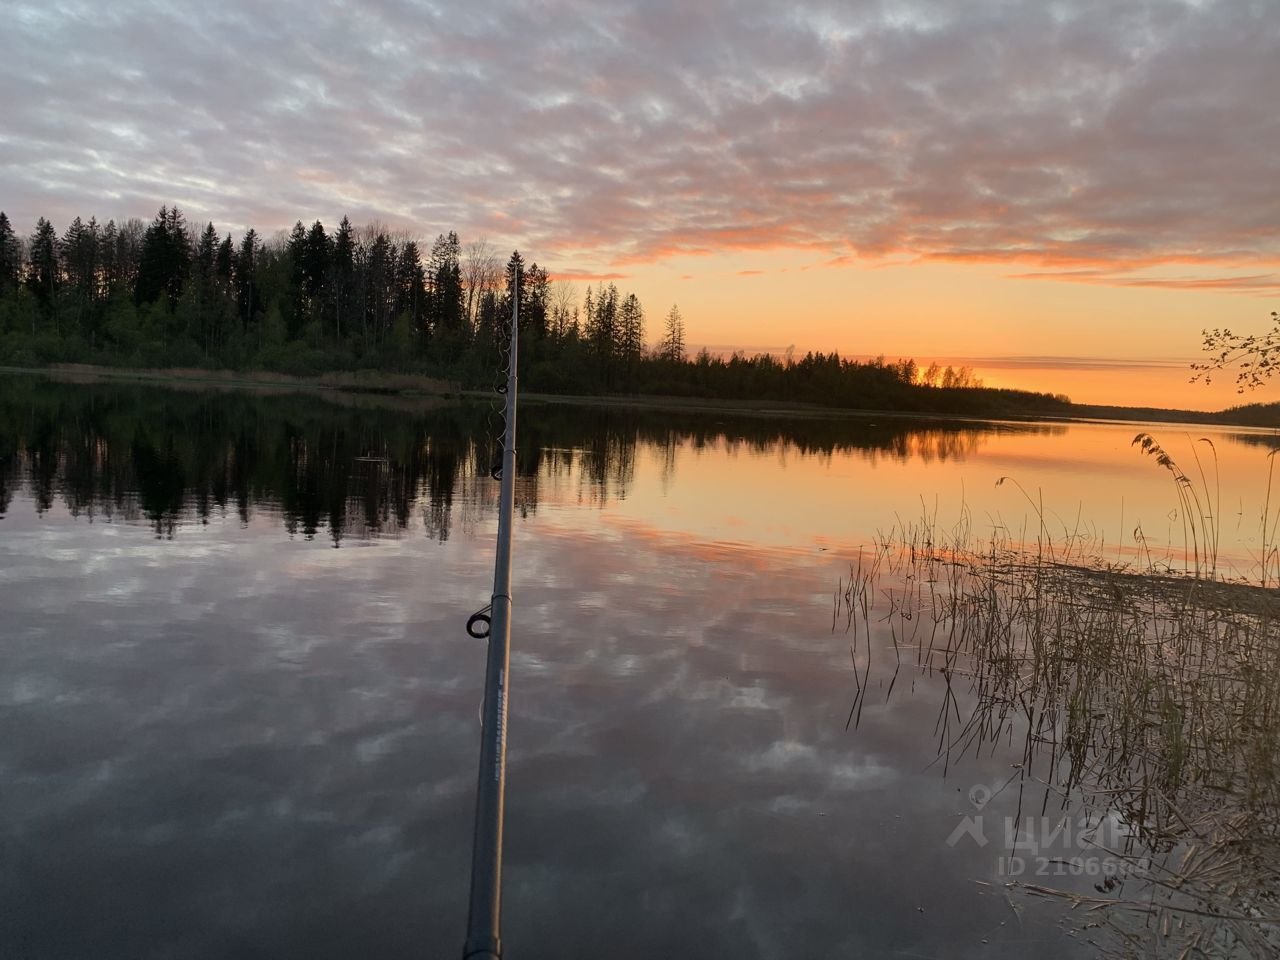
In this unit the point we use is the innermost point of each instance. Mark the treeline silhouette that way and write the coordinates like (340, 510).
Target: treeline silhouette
(168, 457)
(166, 294)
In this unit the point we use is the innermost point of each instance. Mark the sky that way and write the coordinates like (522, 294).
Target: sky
(1061, 194)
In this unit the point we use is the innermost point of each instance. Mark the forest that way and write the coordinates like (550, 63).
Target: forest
(167, 294)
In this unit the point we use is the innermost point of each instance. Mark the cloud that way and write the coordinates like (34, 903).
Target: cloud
(1130, 133)
(1257, 283)
(586, 276)
(1074, 363)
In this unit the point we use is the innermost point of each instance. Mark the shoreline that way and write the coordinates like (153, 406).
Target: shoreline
(371, 384)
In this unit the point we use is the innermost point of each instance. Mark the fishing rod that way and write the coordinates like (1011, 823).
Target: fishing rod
(484, 917)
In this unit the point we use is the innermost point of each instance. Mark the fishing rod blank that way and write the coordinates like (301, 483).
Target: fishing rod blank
(484, 917)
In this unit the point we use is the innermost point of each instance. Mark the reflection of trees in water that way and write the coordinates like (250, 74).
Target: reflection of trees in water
(607, 466)
(162, 483)
(927, 444)
(1269, 440)
(171, 457)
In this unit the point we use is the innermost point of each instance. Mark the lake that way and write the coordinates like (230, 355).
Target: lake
(239, 708)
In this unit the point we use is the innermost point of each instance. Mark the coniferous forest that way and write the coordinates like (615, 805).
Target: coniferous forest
(169, 294)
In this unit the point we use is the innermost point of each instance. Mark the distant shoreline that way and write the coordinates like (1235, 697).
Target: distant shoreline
(410, 386)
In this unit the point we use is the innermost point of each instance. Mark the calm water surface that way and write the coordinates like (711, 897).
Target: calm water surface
(221, 736)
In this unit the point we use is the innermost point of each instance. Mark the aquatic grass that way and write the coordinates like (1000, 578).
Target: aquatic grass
(1270, 552)
(1151, 697)
(1200, 522)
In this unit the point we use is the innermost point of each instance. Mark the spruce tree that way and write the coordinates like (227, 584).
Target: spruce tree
(10, 258)
(178, 256)
(342, 271)
(248, 301)
(165, 259)
(108, 259)
(630, 335)
(533, 308)
(207, 253)
(316, 254)
(80, 256)
(445, 278)
(208, 294)
(42, 270)
(411, 288)
(379, 286)
(296, 250)
(225, 263)
(602, 324)
(126, 257)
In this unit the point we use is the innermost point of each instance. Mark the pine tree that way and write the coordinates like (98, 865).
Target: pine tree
(673, 339)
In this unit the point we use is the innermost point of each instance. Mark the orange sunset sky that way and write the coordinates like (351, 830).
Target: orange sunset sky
(1058, 194)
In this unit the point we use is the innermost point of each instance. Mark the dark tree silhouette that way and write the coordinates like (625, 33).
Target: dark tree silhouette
(80, 254)
(166, 255)
(10, 258)
(248, 301)
(42, 270)
(411, 290)
(446, 311)
(342, 272)
(672, 346)
(140, 294)
(317, 254)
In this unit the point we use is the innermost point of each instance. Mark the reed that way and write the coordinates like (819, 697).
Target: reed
(1149, 697)
(1199, 506)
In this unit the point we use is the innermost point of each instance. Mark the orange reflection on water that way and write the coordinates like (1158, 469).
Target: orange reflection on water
(1078, 481)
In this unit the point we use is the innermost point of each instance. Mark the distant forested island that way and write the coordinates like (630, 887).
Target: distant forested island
(166, 294)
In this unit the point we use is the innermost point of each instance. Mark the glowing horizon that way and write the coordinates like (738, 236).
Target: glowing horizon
(900, 177)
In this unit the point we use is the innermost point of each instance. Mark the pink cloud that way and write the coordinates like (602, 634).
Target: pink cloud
(584, 276)
(1071, 137)
(1257, 284)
